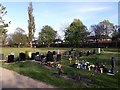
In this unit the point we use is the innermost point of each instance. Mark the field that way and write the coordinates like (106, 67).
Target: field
(89, 79)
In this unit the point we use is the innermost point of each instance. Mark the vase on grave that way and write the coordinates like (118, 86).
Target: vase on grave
(70, 60)
(60, 71)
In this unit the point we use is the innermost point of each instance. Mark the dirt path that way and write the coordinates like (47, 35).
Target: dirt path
(11, 79)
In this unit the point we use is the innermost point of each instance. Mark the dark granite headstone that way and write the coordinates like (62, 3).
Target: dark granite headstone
(54, 53)
(1, 56)
(80, 54)
(59, 57)
(33, 56)
(94, 51)
(88, 53)
(49, 56)
(70, 52)
(10, 58)
(22, 56)
(37, 53)
(113, 65)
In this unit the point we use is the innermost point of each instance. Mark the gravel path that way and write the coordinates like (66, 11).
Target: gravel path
(11, 79)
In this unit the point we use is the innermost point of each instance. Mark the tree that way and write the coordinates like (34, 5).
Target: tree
(31, 24)
(103, 30)
(76, 32)
(3, 25)
(116, 33)
(108, 28)
(10, 40)
(19, 38)
(47, 35)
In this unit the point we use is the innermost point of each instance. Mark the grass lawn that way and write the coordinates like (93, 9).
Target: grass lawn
(37, 71)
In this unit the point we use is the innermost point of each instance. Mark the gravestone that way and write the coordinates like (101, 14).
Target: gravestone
(49, 56)
(1, 56)
(22, 56)
(88, 53)
(75, 54)
(37, 57)
(99, 50)
(37, 53)
(70, 52)
(80, 54)
(59, 57)
(30, 55)
(10, 58)
(94, 51)
(33, 56)
(113, 64)
(54, 53)
(43, 58)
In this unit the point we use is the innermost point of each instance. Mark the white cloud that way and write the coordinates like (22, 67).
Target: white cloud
(12, 27)
(91, 9)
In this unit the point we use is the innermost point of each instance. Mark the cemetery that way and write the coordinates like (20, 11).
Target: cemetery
(64, 45)
(66, 67)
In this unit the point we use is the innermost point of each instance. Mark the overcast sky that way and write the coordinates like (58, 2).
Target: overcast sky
(60, 14)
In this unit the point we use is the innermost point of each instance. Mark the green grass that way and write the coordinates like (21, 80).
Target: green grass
(36, 71)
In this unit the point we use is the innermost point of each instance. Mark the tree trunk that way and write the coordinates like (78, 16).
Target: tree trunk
(31, 44)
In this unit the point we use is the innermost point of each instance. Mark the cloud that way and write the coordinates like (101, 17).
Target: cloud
(91, 9)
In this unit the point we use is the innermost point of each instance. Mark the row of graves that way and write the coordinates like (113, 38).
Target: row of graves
(51, 59)
(96, 67)
(73, 53)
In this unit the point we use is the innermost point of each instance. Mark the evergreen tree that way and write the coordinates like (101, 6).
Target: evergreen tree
(31, 24)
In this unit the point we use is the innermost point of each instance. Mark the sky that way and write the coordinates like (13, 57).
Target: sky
(58, 15)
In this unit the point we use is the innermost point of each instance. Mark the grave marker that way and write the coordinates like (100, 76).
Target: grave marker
(37, 57)
(22, 56)
(10, 58)
(49, 56)
(113, 64)
(99, 50)
(1, 56)
(33, 56)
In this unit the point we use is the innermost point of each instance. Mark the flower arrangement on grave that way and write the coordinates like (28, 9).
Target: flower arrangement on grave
(70, 60)
(59, 67)
(27, 54)
(76, 61)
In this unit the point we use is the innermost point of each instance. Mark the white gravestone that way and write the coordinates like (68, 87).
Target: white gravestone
(98, 50)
